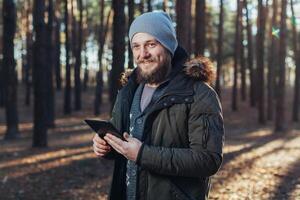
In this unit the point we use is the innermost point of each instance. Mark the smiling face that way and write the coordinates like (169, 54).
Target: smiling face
(153, 59)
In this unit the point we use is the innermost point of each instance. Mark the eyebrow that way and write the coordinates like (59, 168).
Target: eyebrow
(152, 40)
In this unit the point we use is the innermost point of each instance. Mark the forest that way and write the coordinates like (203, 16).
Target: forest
(61, 61)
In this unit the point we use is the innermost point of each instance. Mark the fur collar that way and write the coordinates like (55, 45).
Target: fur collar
(199, 68)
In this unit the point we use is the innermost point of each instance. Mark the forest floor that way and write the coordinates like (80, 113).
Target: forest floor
(258, 163)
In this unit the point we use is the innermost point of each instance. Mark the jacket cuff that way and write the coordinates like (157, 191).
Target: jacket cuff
(138, 159)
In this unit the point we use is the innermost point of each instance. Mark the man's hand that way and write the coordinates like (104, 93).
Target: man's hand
(100, 146)
(128, 148)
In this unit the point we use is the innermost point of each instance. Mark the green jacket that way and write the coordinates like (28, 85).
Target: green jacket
(184, 136)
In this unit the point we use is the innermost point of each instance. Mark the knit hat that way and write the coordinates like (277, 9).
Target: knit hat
(159, 25)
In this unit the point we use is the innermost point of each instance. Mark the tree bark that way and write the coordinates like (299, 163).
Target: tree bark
(250, 57)
(260, 38)
(9, 69)
(57, 21)
(39, 75)
(220, 48)
(78, 60)
(242, 58)
(49, 67)
(296, 48)
(234, 105)
(118, 48)
(130, 19)
(272, 63)
(28, 65)
(200, 27)
(183, 29)
(67, 97)
(280, 100)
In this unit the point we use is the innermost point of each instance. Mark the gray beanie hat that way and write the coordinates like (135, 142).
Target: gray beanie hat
(159, 25)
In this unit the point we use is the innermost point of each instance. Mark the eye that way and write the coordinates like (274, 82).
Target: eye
(152, 44)
(135, 47)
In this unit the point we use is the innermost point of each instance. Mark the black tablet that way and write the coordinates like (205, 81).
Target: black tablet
(102, 127)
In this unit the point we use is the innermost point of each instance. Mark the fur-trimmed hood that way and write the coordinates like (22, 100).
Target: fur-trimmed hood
(199, 68)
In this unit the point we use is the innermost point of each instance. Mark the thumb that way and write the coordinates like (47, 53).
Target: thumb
(126, 136)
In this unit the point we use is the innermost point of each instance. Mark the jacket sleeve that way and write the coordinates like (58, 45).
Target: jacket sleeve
(203, 158)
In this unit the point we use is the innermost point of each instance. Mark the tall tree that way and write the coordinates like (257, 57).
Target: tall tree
(78, 60)
(272, 61)
(39, 75)
(49, 66)
(200, 27)
(149, 6)
(118, 47)
(67, 98)
(10, 77)
(2, 95)
(57, 22)
(130, 19)
(234, 105)
(141, 6)
(296, 47)
(99, 77)
(220, 48)
(242, 58)
(28, 63)
(250, 58)
(183, 19)
(260, 38)
(280, 96)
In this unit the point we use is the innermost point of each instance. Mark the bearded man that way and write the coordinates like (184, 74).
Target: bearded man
(170, 116)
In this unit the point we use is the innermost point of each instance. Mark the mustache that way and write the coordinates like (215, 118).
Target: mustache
(146, 60)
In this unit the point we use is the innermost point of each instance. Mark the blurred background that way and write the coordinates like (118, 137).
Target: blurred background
(61, 60)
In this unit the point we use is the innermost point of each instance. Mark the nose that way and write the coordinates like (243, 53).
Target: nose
(144, 53)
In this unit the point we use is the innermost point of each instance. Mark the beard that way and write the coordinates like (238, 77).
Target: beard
(157, 75)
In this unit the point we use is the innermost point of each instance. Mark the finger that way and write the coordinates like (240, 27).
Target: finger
(99, 140)
(115, 143)
(126, 136)
(102, 149)
(115, 139)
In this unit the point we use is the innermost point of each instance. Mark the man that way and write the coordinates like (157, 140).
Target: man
(171, 120)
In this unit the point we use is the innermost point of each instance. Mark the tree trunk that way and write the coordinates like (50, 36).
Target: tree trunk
(149, 5)
(78, 60)
(183, 28)
(234, 105)
(280, 100)
(220, 48)
(39, 75)
(49, 67)
(86, 70)
(200, 27)
(242, 58)
(272, 62)
(260, 38)
(130, 19)
(9, 69)
(99, 75)
(2, 95)
(67, 99)
(250, 58)
(118, 48)
(141, 6)
(296, 48)
(29, 42)
(57, 21)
